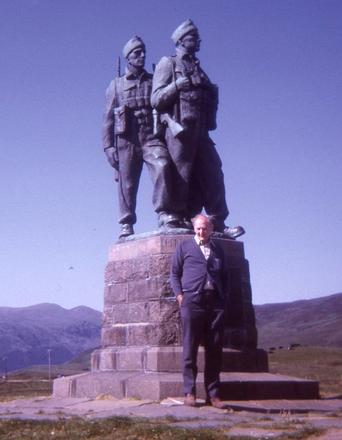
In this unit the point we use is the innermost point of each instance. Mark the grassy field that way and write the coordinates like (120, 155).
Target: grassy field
(35, 381)
(25, 384)
(113, 428)
(122, 428)
(318, 363)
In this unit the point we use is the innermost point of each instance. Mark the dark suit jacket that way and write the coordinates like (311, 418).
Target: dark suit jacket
(190, 269)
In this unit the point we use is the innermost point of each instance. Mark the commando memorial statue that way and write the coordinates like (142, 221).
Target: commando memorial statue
(172, 139)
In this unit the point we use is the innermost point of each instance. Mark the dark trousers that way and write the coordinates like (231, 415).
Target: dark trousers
(131, 159)
(202, 322)
(198, 178)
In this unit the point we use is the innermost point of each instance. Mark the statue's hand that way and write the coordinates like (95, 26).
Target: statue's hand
(110, 153)
(183, 83)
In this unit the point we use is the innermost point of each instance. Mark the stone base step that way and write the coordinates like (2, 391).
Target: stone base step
(169, 359)
(159, 386)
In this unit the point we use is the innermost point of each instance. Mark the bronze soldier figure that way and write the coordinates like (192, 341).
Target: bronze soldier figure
(182, 93)
(128, 141)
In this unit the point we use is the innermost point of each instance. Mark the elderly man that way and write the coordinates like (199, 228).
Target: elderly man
(128, 141)
(183, 93)
(199, 282)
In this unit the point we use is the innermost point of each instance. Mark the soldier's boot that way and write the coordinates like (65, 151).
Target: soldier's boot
(126, 230)
(233, 232)
(187, 224)
(169, 221)
(228, 231)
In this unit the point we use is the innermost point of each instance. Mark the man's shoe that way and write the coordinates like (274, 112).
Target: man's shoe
(233, 232)
(216, 402)
(126, 230)
(190, 400)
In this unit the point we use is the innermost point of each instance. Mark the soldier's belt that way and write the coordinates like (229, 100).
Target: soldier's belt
(143, 116)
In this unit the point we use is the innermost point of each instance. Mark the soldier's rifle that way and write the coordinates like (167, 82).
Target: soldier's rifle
(116, 155)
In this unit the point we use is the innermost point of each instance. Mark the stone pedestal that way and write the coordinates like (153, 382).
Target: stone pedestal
(141, 333)
(139, 307)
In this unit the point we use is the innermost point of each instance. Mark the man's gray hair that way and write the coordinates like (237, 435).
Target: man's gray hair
(207, 218)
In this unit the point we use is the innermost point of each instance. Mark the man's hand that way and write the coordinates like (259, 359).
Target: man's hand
(110, 153)
(183, 83)
(179, 299)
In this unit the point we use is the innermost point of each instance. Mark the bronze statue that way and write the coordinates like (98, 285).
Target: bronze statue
(186, 101)
(128, 141)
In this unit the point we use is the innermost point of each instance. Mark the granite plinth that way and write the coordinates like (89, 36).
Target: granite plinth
(158, 386)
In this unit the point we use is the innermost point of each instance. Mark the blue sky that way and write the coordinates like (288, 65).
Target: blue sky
(278, 66)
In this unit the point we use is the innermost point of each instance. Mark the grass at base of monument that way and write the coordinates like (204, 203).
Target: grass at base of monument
(316, 363)
(121, 428)
(24, 390)
(111, 428)
(34, 381)
(25, 384)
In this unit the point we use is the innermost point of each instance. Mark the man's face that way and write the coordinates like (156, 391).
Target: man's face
(203, 229)
(136, 58)
(191, 42)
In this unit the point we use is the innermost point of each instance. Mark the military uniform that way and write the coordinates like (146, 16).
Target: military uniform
(128, 127)
(199, 168)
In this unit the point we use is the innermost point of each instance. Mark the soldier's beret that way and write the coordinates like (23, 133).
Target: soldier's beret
(183, 29)
(132, 44)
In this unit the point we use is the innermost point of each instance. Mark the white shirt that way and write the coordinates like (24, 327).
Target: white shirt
(205, 248)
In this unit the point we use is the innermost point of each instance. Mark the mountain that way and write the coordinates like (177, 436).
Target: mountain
(313, 322)
(27, 333)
